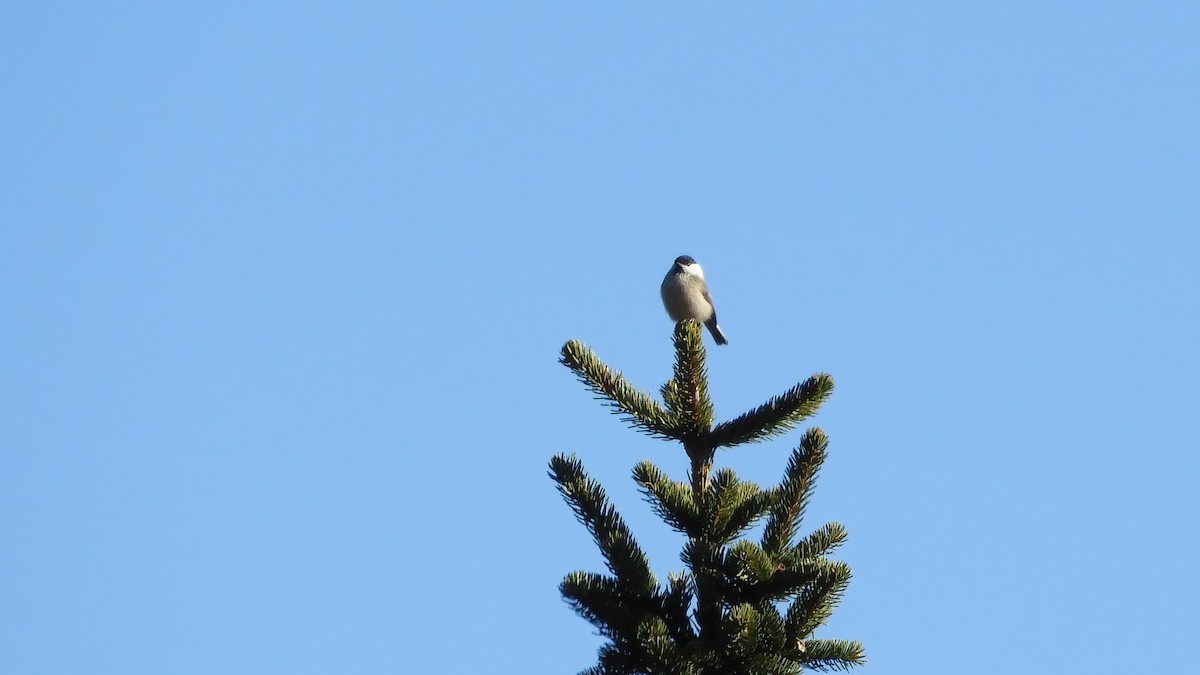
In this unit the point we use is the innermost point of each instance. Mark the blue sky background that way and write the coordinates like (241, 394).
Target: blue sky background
(283, 286)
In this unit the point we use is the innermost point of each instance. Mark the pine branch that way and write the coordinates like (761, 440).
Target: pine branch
(624, 557)
(688, 403)
(741, 624)
(733, 506)
(754, 565)
(676, 602)
(652, 651)
(719, 503)
(661, 652)
(686, 395)
(706, 559)
(636, 407)
(671, 500)
(603, 602)
(777, 416)
(771, 664)
(756, 639)
(772, 632)
(621, 659)
(659, 623)
(713, 578)
(793, 493)
(786, 582)
(816, 602)
(826, 655)
(819, 543)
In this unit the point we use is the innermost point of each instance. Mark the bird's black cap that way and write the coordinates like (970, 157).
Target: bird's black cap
(684, 260)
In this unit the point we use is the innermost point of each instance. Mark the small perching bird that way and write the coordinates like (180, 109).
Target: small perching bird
(685, 295)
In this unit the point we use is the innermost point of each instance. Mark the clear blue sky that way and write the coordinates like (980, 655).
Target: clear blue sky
(283, 286)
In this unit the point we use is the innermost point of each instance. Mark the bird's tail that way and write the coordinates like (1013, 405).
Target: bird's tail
(716, 331)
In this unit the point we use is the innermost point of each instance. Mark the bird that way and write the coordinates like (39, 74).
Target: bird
(685, 296)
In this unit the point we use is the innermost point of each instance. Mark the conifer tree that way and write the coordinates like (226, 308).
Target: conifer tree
(740, 606)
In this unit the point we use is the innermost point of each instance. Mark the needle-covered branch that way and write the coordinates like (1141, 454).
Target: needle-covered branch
(623, 615)
(785, 582)
(677, 599)
(777, 416)
(637, 407)
(815, 603)
(671, 500)
(686, 394)
(604, 602)
(624, 557)
(830, 655)
(731, 506)
(793, 493)
(757, 636)
(818, 543)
